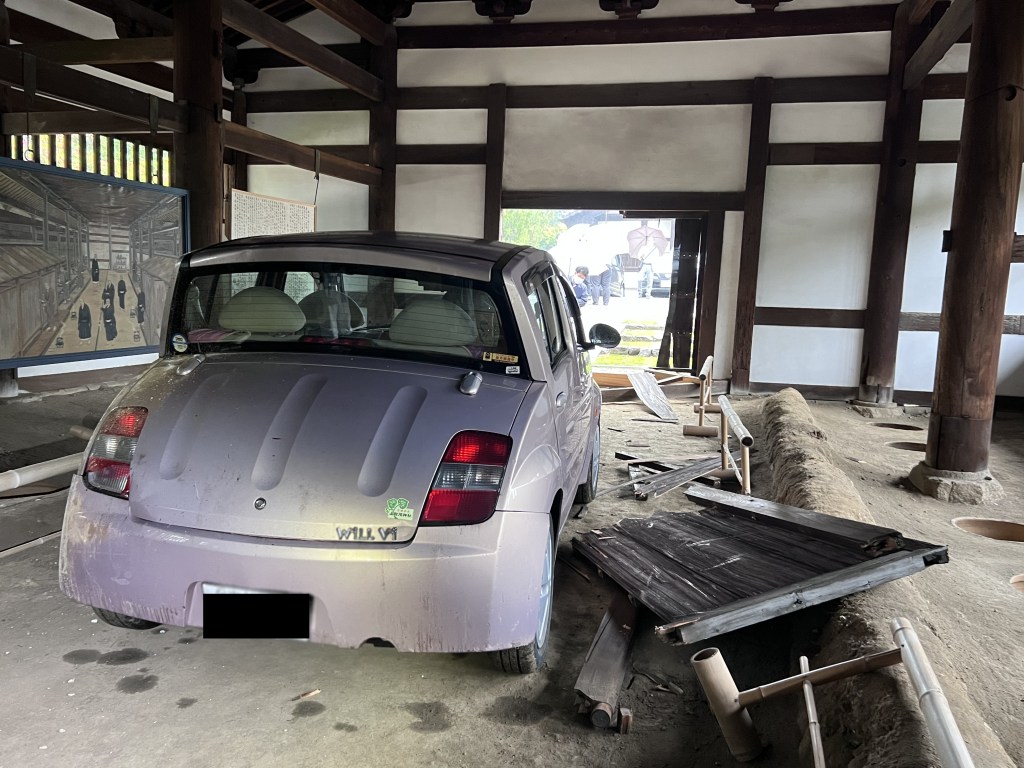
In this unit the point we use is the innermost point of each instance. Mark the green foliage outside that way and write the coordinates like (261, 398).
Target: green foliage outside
(531, 227)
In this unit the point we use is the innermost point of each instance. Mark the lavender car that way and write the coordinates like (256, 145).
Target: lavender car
(382, 432)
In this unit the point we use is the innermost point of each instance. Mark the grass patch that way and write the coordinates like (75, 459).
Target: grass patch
(611, 359)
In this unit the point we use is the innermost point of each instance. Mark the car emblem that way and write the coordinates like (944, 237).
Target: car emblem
(260, 503)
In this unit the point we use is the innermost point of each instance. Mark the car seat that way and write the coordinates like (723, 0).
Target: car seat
(262, 311)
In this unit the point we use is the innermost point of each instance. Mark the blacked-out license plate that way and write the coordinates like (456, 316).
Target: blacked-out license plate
(256, 615)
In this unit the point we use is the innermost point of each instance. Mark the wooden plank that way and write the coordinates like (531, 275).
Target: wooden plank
(252, 142)
(651, 394)
(408, 154)
(651, 201)
(709, 288)
(610, 655)
(938, 151)
(663, 482)
(814, 591)
(240, 15)
(497, 97)
(384, 137)
(132, 50)
(805, 317)
(873, 540)
(319, 100)
(802, 90)
(987, 184)
(951, 27)
(708, 92)
(90, 91)
(739, 26)
(825, 153)
(71, 121)
(351, 14)
(750, 242)
(947, 86)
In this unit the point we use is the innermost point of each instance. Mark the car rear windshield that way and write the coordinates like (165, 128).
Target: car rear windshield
(355, 309)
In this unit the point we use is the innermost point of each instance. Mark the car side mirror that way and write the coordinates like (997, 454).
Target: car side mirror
(603, 335)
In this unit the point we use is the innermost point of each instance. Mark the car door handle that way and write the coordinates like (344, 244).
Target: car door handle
(561, 399)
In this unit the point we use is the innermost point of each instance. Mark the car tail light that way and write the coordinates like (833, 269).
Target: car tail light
(108, 468)
(466, 486)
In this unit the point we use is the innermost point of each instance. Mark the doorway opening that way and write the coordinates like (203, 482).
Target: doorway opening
(643, 273)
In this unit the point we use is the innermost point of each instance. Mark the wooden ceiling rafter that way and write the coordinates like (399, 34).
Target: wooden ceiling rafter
(950, 29)
(240, 15)
(354, 16)
(131, 50)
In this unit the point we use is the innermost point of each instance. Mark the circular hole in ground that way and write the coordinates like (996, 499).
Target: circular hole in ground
(990, 528)
(895, 425)
(909, 446)
(1017, 582)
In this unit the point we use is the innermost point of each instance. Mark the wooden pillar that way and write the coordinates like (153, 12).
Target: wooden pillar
(383, 134)
(5, 97)
(988, 179)
(708, 289)
(240, 115)
(199, 153)
(750, 243)
(893, 203)
(497, 101)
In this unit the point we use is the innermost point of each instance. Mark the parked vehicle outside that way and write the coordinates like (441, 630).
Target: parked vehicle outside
(389, 428)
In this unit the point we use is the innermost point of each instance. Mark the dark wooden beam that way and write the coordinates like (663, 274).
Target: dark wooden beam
(351, 14)
(1017, 254)
(950, 86)
(90, 91)
(131, 19)
(97, 52)
(252, 142)
(319, 100)
(240, 15)
(496, 108)
(919, 10)
(648, 201)
(5, 98)
(1013, 325)
(71, 121)
(240, 160)
(825, 153)
(894, 199)
(987, 185)
(252, 60)
(629, 94)
(199, 152)
(443, 97)
(384, 137)
(750, 242)
(809, 317)
(406, 154)
(737, 26)
(709, 288)
(951, 27)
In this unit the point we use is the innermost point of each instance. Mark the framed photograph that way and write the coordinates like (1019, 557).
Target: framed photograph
(86, 263)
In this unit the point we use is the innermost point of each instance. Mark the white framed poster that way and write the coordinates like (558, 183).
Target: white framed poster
(253, 214)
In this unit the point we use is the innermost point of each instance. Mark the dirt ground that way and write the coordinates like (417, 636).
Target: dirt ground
(80, 693)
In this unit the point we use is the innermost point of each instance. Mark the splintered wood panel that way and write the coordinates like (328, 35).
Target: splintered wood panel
(712, 571)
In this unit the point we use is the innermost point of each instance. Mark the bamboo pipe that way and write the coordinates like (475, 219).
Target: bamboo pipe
(745, 468)
(813, 726)
(733, 719)
(15, 478)
(734, 421)
(949, 744)
(709, 408)
(691, 430)
(724, 432)
(868, 663)
(705, 370)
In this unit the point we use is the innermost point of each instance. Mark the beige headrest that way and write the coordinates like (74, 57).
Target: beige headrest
(432, 321)
(262, 310)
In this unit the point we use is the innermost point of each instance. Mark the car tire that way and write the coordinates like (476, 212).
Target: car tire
(115, 619)
(587, 492)
(527, 659)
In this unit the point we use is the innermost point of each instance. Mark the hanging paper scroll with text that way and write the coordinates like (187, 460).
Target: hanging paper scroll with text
(261, 215)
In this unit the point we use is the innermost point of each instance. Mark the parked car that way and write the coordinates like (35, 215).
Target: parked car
(661, 273)
(389, 428)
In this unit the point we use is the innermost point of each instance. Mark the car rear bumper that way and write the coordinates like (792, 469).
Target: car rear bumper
(452, 589)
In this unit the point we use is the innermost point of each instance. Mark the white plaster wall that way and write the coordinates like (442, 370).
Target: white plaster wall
(816, 238)
(314, 127)
(865, 53)
(637, 149)
(442, 126)
(837, 121)
(727, 288)
(788, 355)
(444, 199)
(339, 204)
(941, 120)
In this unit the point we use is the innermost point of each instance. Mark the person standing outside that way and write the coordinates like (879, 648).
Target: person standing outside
(580, 285)
(601, 285)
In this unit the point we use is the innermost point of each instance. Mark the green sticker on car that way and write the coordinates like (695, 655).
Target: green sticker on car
(399, 509)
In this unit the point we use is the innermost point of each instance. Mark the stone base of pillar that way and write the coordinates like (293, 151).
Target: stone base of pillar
(956, 487)
(8, 382)
(870, 410)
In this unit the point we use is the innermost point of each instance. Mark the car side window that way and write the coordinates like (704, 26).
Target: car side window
(544, 304)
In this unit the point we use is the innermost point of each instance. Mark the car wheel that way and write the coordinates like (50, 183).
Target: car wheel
(526, 659)
(115, 619)
(588, 491)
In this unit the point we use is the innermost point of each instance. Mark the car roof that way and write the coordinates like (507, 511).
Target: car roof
(487, 251)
